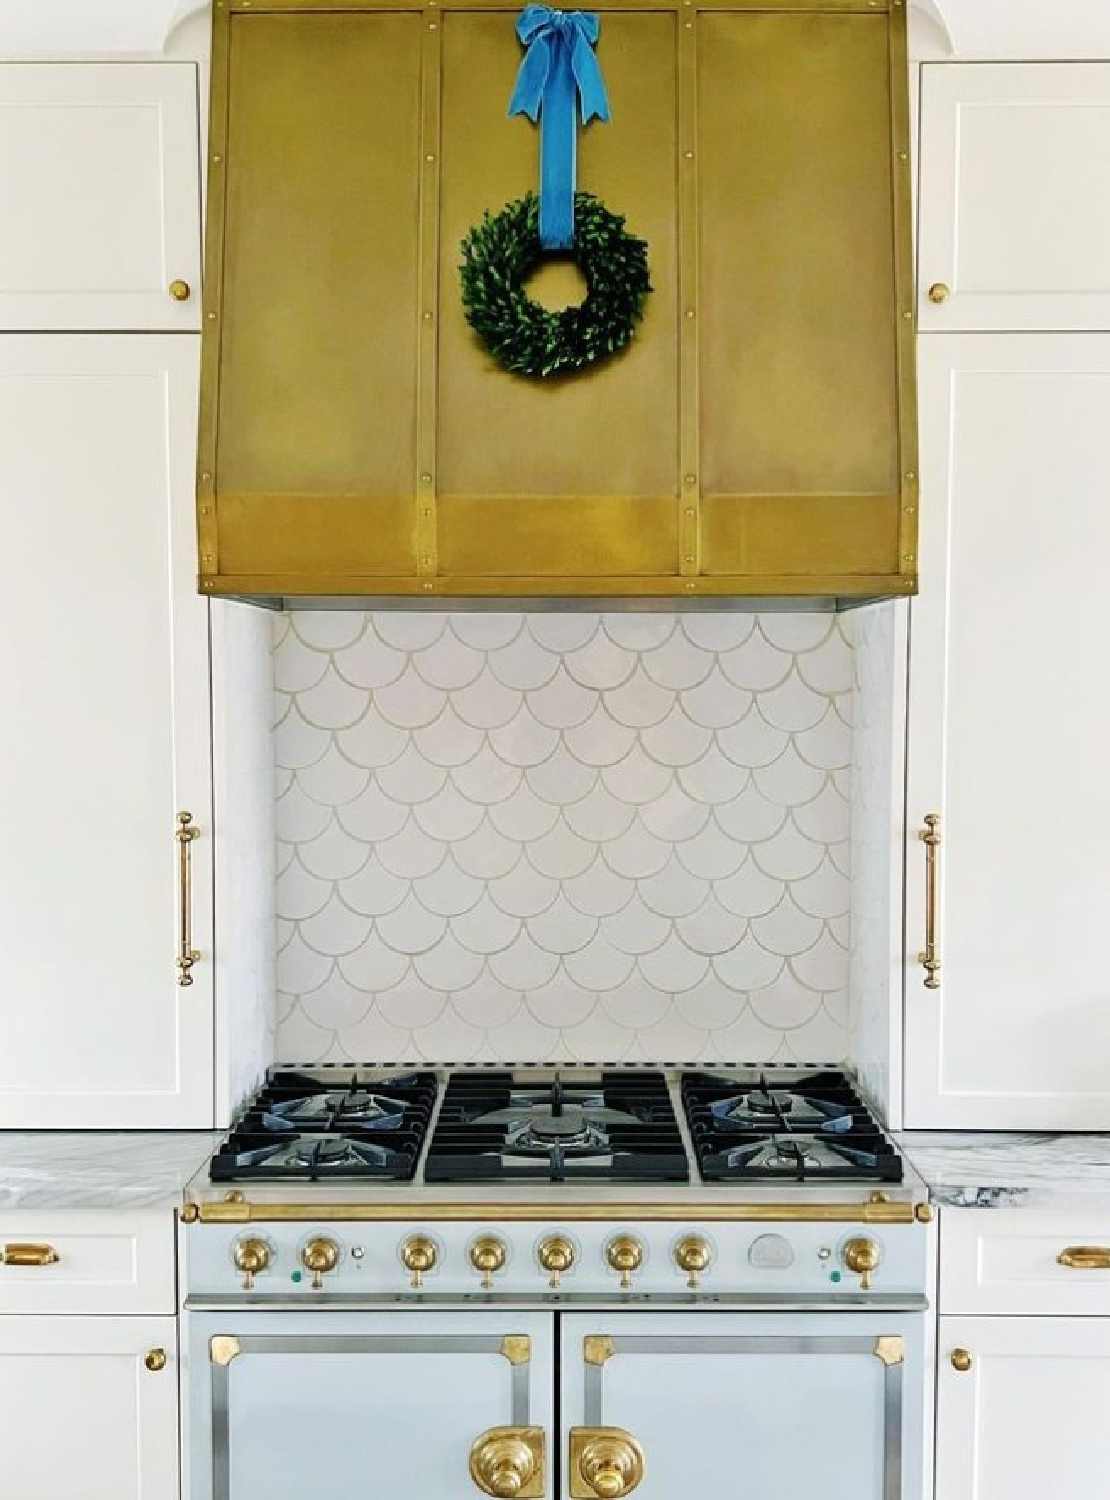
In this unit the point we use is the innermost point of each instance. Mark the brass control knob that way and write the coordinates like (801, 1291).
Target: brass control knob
(419, 1255)
(488, 1256)
(610, 1462)
(320, 1256)
(693, 1255)
(863, 1256)
(625, 1255)
(251, 1256)
(509, 1461)
(556, 1255)
(938, 292)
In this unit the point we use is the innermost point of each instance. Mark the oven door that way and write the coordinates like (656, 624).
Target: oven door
(428, 1404)
(763, 1404)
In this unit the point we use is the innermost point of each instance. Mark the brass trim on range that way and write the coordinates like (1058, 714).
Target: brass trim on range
(1085, 1258)
(510, 1461)
(517, 1348)
(928, 957)
(890, 1348)
(187, 955)
(598, 1348)
(605, 1462)
(223, 1348)
(242, 1212)
(29, 1255)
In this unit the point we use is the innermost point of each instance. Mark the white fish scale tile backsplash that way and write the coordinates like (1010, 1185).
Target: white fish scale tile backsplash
(509, 837)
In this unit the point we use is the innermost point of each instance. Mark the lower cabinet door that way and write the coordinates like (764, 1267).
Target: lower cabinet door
(88, 1408)
(382, 1406)
(1022, 1408)
(770, 1405)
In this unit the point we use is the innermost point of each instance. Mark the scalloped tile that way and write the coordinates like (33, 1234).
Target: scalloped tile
(560, 823)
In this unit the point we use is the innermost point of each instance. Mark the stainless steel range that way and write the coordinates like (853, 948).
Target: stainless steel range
(568, 1284)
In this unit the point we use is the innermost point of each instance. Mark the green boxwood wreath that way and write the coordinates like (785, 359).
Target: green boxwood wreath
(501, 252)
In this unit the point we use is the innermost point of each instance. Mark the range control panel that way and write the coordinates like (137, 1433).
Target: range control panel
(557, 1260)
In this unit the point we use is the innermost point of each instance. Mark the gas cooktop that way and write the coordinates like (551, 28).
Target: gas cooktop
(617, 1125)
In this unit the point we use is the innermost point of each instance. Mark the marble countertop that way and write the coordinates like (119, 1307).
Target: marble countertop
(978, 1169)
(99, 1169)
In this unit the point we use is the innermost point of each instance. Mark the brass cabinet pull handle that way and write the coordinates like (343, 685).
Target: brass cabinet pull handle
(155, 1360)
(928, 958)
(606, 1463)
(180, 290)
(187, 955)
(939, 292)
(1085, 1258)
(508, 1462)
(961, 1360)
(29, 1255)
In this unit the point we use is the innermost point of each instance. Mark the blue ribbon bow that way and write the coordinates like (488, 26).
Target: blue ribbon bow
(558, 69)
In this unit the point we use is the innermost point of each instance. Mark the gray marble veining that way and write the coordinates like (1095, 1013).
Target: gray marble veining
(973, 1169)
(99, 1169)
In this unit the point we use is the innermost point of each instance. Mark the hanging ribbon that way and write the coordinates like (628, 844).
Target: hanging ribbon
(558, 70)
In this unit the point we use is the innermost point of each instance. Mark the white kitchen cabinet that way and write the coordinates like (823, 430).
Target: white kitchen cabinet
(1015, 197)
(99, 178)
(88, 1408)
(1009, 723)
(1027, 1417)
(105, 708)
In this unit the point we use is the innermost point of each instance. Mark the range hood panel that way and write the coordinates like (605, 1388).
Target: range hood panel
(755, 440)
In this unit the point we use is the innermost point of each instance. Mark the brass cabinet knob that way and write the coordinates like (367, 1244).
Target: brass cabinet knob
(419, 1255)
(1085, 1257)
(863, 1256)
(509, 1461)
(251, 1256)
(180, 291)
(938, 292)
(693, 1255)
(155, 1360)
(556, 1255)
(488, 1256)
(29, 1255)
(604, 1461)
(625, 1255)
(320, 1256)
(961, 1360)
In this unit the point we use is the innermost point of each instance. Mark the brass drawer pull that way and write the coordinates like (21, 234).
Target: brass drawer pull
(939, 292)
(961, 1360)
(928, 958)
(508, 1462)
(29, 1255)
(180, 291)
(155, 1360)
(1085, 1258)
(606, 1463)
(187, 955)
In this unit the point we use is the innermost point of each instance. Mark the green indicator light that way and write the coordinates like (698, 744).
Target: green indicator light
(296, 1276)
(834, 1275)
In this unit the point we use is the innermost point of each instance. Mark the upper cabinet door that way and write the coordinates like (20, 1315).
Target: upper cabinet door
(1015, 197)
(1009, 721)
(104, 708)
(100, 185)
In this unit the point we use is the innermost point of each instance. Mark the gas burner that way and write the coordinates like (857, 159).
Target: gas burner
(798, 1155)
(312, 1154)
(765, 1108)
(337, 1107)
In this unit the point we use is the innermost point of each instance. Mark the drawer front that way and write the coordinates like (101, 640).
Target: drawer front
(1024, 1261)
(86, 1261)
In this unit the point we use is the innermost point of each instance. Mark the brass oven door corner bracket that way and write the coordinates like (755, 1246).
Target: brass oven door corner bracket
(223, 1348)
(597, 1348)
(890, 1348)
(510, 1461)
(517, 1348)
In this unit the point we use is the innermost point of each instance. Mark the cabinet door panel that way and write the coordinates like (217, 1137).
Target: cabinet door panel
(82, 1414)
(722, 1394)
(99, 181)
(1015, 211)
(104, 704)
(1008, 725)
(1028, 1418)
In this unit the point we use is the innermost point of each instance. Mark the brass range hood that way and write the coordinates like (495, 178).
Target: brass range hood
(755, 442)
